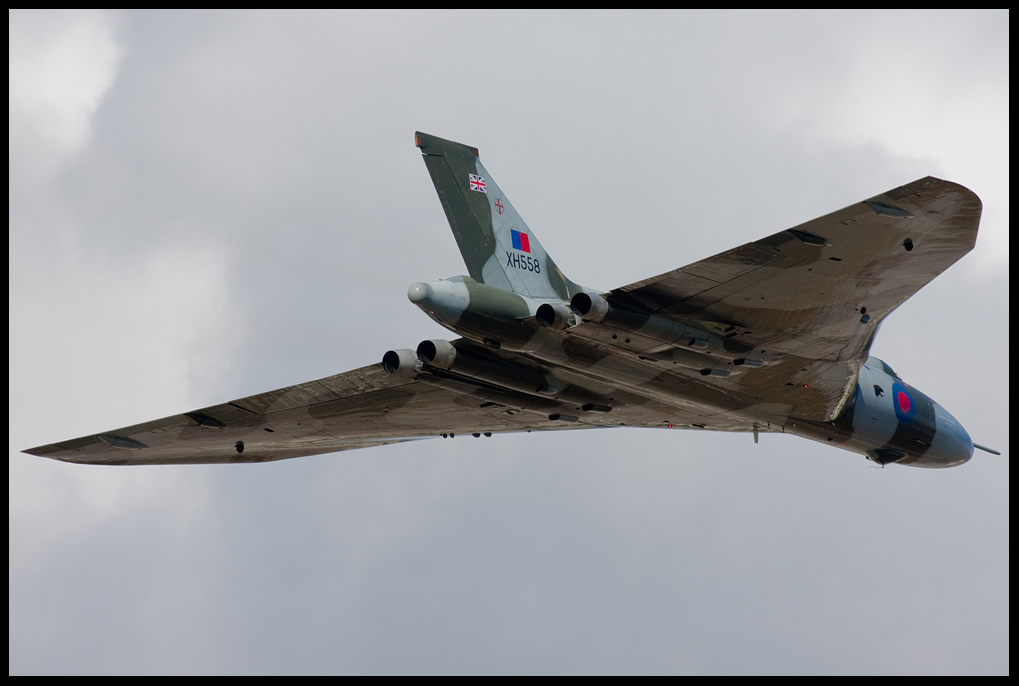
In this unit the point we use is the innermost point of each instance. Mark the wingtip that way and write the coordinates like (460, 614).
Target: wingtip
(49, 451)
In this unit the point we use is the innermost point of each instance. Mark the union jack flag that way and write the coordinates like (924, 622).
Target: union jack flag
(477, 183)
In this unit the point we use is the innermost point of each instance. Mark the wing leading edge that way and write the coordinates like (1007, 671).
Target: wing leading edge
(329, 415)
(809, 299)
(357, 409)
(802, 305)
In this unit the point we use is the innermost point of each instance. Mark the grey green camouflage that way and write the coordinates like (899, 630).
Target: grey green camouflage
(772, 336)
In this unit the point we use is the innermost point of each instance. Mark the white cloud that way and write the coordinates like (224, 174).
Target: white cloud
(907, 85)
(166, 318)
(164, 313)
(264, 162)
(60, 65)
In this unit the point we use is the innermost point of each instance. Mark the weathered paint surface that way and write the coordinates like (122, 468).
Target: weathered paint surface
(771, 336)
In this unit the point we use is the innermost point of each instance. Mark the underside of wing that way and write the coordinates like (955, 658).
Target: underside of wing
(809, 299)
(742, 341)
(337, 413)
(357, 409)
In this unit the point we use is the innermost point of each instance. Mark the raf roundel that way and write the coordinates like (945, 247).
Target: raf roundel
(905, 406)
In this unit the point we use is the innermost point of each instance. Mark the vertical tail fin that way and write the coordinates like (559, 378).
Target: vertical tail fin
(496, 244)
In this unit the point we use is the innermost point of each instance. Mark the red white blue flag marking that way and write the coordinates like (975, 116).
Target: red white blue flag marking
(477, 183)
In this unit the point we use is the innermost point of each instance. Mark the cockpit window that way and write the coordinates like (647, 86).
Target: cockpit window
(877, 362)
(890, 371)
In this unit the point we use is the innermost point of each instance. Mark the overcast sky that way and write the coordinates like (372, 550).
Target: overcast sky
(203, 206)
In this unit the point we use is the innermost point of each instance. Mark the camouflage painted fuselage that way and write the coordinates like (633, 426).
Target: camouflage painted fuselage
(893, 422)
(772, 336)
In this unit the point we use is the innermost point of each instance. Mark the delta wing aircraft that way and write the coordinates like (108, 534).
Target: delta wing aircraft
(772, 336)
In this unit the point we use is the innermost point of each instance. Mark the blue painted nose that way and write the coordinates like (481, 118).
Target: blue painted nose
(951, 445)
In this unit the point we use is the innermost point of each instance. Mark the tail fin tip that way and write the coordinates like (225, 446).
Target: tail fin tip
(440, 145)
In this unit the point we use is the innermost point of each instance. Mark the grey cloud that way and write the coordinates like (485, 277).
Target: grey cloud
(632, 144)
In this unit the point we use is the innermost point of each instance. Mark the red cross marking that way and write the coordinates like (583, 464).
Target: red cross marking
(498, 205)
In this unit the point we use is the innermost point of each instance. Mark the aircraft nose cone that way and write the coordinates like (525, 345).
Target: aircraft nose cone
(951, 445)
(419, 292)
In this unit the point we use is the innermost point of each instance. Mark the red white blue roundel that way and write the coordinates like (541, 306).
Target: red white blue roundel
(902, 401)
